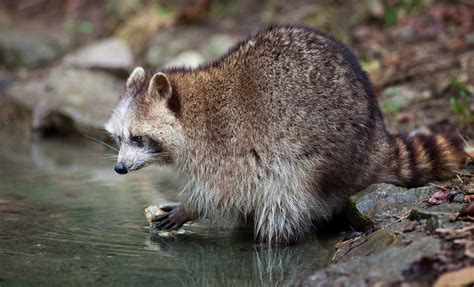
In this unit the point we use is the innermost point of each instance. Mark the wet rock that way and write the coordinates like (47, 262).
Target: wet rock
(61, 102)
(109, 54)
(29, 48)
(189, 59)
(381, 203)
(384, 269)
(362, 246)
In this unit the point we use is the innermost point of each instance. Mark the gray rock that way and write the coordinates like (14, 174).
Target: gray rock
(189, 59)
(29, 48)
(166, 48)
(218, 45)
(373, 243)
(381, 203)
(67, 100)
(107, 54)
(384, 269)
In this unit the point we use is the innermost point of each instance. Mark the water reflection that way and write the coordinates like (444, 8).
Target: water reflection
(66, 218)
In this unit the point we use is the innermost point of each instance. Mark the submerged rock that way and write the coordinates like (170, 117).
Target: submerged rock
(152, 212)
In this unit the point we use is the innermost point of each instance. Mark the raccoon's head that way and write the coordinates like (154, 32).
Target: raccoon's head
(143, 124)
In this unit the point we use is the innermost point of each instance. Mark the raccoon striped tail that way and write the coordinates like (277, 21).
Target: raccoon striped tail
(421, 157)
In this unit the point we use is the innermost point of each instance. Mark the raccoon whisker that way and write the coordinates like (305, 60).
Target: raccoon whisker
(108, 157)
(161, 154)
(101, 142)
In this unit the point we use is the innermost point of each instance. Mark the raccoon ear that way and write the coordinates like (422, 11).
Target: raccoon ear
(160, 86)
(137, 77)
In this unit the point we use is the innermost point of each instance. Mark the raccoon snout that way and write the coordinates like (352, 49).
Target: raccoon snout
(120, 168)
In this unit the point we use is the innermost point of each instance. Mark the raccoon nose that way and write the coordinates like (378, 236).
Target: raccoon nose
(120, 168)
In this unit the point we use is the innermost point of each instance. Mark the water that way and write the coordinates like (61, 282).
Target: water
(67, 219)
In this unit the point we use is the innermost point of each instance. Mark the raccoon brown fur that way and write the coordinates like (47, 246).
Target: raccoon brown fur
(280, 131)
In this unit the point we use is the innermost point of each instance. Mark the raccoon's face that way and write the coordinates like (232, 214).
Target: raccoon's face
(145, 128)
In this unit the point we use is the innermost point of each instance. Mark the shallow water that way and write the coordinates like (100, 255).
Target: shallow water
(67, 219)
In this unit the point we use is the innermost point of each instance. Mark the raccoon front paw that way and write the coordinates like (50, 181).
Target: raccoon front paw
(173, 218)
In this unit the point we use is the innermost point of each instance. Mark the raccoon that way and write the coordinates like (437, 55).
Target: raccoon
(279, 131)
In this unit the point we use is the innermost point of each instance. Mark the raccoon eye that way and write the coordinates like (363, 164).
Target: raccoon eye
(137, 140)
(156, 147)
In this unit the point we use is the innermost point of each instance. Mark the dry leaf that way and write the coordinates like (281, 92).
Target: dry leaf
(461, 277)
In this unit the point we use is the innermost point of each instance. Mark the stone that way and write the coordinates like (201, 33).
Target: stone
(385, 269)
(189, 59)
(26, 47)
(60, 102)
(108, 54)
(164, 46)
(362, 246)
(218, 45)
(381, 203)
(376, 9)
(166, 49)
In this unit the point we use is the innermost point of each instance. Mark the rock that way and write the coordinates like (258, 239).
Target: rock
(218, 45)
(22, 47)
(376, 9)
(165, 48)
(189, 59)
(151, 212)
(380, 203)
(373, 243)
(108, 54)
(67, 101)
(384, 269)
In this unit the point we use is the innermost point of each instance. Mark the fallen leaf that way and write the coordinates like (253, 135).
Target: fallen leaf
(469, 252)
(439, 197)
(467, 210)
(405, 117)
(469, 198)
(453, 217)
(461, 277)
